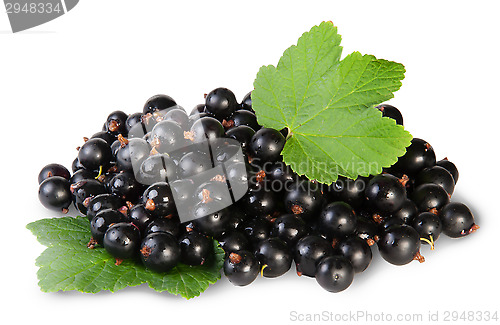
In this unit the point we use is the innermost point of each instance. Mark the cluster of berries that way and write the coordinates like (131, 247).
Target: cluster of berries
(160, 184)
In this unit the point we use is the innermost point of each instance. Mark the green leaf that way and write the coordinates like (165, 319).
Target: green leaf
(67, 264)
(327, 104)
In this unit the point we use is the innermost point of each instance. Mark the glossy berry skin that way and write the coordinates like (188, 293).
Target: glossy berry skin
(259, 202)
(167, 136)
(160, 252)
(194, 163)
(266, 145)
(280, 176)
(308, 252)
(243, 134)
(256, 229)
(54, 193)
(132, 154)
(81, 175)
(210, 223)
(335, 273)
(391, 112)
(303, 198)
(366, 229)
(427, 224)
(357, 251)
(206, 128)
(241, 268)
(337, 219)
(125, 186)
(102, 202)
(450, 167)
(385, 193)
(274, 257)
(168, 225)
(94, 154)
(122, 240)
(246, 103)
(290, 228)
(84, 191)
(349, 190)
(132, 120)
(76, 165)
(407, 211)
(242, 117)
(116, 123)
(221, 103)
(140, 216)
(179, 116)
(429, 196)
(436, 175)
(419, 155)
(157, 168)
(195, 248)
(158, 103)
(106, 136)
(399, 245)
(53, 170)
(101, 222)
(158, 199)
(457, 220)
(233, 242)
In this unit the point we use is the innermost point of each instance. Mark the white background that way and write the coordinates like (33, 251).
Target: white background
(59, 81)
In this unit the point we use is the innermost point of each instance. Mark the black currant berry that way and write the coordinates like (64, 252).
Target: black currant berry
(140, 216)
(290, 228)
(335, 273)
(246, 103)
(407, 211)
(84, 191)
(274, 257)
(205, 128)
(211, 218)
(132, 153)
(260, 202)
(133, 120)
(308, 252)
(303, 198)
(101, 222)
(399, 245)
(457, 220)
(179, 116)
(160, 252)
(157, 168)
(436, 175)
(125, 186)
(167, 136)
(351, 191)
(158, 103)
(281, 176)
(158, 199)
(106, 136)
(221, 103)
(233, 242)
(116, 123)
(241, 117)
(449, 166)
(357, 251)
(54, 193)
(391, 112)
(428, 225)
(266, 145)
(194, 163)
(168, 225)
(53, 170)
(419, 155)
(385, 193)
(430, 197)
(195, 248)
(95, 154)
(337, 219)
(256, 229)
(102, 202)
(241, 268)
(243, 134)
(122, 240)
(367, 230)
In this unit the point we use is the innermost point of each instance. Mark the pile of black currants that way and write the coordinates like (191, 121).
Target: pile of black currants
(139, 183)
